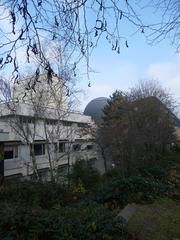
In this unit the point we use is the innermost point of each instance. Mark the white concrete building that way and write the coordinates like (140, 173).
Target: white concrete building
(39, 133)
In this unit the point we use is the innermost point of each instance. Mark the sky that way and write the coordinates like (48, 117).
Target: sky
(141, 60)
(122, 71)
(112, 71)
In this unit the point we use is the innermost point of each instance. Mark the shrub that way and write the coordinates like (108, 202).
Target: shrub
(112, 173)
(88, 221)
(43, 195)
(156, 173)
(170, 159)
(78, 188)
(84, 171)
(123, 191)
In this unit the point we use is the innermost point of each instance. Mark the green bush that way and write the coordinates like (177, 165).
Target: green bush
(112, 173)
(84, 171)
(43, 195)
(156, 173)
(170, 159)
(88, 221)
(125, 190)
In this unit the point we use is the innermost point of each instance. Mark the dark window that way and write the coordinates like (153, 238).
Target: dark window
(10, 152)
(67, 124)
(51, 122)
(48, 122)
(62, 147)
(24, 119)
(76, 147)
(30, 120)
(55, 147)
(82, 125)
(39, 149)
(89, 147)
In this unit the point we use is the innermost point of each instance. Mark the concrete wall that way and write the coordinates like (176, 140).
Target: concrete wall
(24, 132)
(177, 133)
(23, 163)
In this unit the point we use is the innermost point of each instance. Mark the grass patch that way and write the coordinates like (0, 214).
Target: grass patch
(157, 221)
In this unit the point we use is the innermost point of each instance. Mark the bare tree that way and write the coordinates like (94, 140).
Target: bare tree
(167, 25)
(65, 21)
(30, 112)
(78, 26)
(151, 88)
(46, 105)
(26, 131)
(44, 113)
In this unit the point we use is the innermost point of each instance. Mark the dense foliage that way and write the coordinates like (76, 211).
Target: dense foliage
(121, 191)
(83, 221)
(84, 172)
(136, 130)
(88, 208)
(34, 194)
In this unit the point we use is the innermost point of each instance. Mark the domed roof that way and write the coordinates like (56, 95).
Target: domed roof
(95, 108)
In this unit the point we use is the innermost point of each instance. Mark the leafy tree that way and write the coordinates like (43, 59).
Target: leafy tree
(137, 129)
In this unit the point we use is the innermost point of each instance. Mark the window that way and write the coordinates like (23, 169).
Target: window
(55, 147)
(82, 125)
(51, 122)
(89, 147)
(24, 119)
(30, 120)
(10, 151)
(67, 124)
(48, 122)
(76, 147)
(39, 149)
(62, 147)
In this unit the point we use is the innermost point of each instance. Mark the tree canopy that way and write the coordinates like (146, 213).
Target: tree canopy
(136, 131)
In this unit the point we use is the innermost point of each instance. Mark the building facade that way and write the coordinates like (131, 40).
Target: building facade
(41, 135)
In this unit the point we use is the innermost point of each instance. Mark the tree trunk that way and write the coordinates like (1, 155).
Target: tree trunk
(68, 170)
(50, 164)
(1, 166)
(104, 159)
(35, 172)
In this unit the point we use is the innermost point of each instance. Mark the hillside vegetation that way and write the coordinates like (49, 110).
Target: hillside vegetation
(88, 208)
